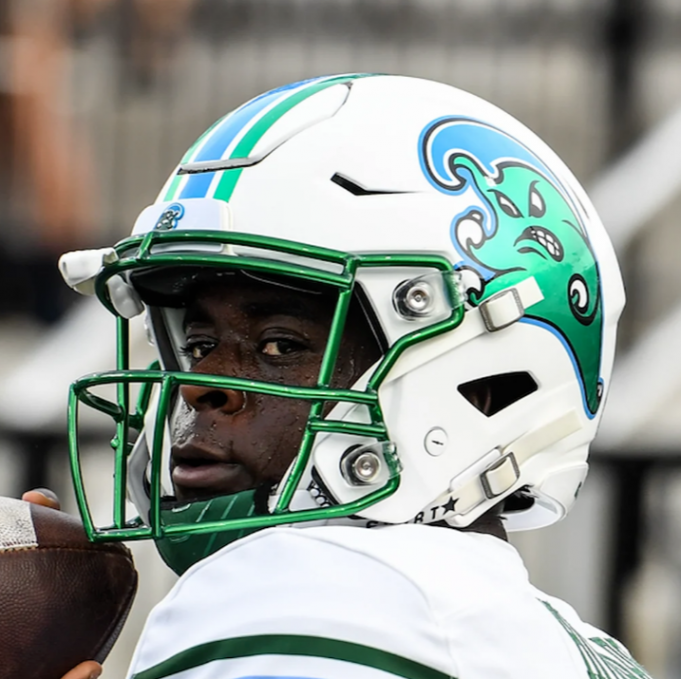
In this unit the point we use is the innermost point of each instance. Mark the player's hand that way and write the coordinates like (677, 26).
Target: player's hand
(44, 497)
(86, 670)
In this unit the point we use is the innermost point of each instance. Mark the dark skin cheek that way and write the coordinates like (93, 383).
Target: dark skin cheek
(265, 437)
(277, 435)
(278, 432)
(283, 422)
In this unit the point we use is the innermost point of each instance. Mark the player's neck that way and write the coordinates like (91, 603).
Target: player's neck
(489, 524)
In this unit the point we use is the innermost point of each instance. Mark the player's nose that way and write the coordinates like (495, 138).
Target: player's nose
(228, 401)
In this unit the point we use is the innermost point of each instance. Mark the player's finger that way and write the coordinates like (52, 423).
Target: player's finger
(86, 670)
(42, 496)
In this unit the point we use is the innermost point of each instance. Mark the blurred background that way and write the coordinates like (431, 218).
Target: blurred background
(100, 98)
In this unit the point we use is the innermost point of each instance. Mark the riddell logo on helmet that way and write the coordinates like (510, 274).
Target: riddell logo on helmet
(520, 221)
(170, 217)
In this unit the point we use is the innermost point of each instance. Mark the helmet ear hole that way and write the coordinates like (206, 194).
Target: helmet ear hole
(493, 393)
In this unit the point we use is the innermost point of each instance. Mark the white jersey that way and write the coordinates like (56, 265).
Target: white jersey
(339, 602)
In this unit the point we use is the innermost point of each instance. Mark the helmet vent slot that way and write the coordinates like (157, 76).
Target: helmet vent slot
(356, 190)
(492, 394)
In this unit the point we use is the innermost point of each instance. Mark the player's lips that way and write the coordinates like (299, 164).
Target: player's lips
(199, 472)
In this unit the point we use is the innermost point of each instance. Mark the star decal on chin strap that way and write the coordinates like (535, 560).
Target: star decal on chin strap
(449, 505)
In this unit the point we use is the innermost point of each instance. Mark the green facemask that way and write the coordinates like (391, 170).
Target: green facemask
(187, 534)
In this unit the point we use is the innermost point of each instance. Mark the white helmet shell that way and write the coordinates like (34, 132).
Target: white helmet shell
(365, 164)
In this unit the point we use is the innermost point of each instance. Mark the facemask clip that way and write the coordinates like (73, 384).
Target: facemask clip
(364, 465)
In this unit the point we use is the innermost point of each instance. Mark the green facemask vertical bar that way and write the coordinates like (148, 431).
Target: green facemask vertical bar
(120, 444)
(143, 399)
(325, 375)
(167, 386)
(229, 178)
(409, 340)
(76, 468)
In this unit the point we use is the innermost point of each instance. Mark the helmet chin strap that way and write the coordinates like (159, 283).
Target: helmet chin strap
(490, 478)
(497, 472)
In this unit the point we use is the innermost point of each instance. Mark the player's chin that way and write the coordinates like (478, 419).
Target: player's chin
(194, 483)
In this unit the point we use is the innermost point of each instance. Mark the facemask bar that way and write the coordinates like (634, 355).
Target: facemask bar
(141, 252)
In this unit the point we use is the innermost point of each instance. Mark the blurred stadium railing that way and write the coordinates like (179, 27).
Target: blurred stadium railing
(99, 99)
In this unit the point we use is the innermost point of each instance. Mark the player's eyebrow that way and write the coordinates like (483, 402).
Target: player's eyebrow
(195, 314)
(292, 306)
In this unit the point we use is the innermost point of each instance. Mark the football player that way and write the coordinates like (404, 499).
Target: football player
(385, 317)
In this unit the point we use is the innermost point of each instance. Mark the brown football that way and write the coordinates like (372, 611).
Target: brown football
(63, 599)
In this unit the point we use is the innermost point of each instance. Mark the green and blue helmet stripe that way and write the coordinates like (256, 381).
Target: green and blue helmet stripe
(228, 128)
(242, 129)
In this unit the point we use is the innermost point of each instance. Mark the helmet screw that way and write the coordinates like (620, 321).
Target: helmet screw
(414, 299)
(435, 442)
(361, 466)
(418, 298)
(366, 467)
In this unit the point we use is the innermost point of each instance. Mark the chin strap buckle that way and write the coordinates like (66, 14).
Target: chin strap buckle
(508, 306)
(500, 476)
(499, 471)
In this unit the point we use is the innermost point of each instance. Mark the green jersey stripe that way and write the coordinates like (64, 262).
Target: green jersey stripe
(288, 644)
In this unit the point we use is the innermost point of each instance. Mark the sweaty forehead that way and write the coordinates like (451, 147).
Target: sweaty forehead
(251, 299)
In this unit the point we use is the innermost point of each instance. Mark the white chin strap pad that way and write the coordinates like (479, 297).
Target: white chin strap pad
(498, 473)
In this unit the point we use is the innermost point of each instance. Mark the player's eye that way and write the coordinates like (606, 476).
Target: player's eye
(279, 347)
(197, 349)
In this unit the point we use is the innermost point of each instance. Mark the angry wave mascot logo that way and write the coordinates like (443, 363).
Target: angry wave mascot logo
(520, 222)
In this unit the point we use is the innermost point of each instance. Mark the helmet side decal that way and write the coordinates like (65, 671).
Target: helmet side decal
(520, 221)
(235, 136)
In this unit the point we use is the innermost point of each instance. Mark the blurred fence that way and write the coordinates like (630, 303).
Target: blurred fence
(100, 98)
(135, 93)
(550, 68)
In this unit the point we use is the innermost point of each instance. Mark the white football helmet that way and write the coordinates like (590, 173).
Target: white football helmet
(480, 262)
